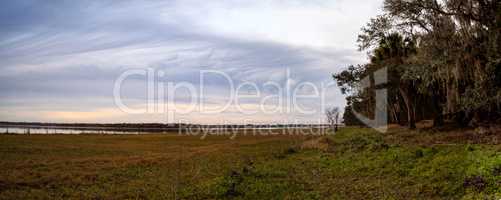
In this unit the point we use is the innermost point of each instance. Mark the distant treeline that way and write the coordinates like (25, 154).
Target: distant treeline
(153, 127)
(443, 61)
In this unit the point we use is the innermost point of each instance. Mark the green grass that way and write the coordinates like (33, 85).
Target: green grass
(358, 164)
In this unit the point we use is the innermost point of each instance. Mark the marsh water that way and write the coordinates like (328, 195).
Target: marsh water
(31, 130)
(101, 130)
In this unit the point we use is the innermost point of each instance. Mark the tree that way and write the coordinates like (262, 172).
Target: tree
(391, 53)
(460, 49)
(349, 118)
(332, 115)
(443, 59)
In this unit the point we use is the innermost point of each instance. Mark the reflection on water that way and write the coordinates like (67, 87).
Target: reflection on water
(115, 130)
(12, 130)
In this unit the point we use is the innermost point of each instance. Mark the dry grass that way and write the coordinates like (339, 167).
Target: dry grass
(122, 166)
(320, 143)
(355, 163)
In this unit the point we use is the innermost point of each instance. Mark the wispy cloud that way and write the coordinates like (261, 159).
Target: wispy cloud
(72, 51)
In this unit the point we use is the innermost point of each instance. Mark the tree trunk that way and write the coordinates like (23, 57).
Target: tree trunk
(410, 109)
(438, 120)
(393, 113)
(452, 97)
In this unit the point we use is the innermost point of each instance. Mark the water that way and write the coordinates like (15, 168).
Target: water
(4, 130)
(95, 130)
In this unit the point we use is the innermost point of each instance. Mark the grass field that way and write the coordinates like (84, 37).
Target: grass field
(353, 164)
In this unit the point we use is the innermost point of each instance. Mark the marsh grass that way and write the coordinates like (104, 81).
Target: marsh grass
(353, 164)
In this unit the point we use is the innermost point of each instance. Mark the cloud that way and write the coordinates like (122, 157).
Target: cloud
(74, 51)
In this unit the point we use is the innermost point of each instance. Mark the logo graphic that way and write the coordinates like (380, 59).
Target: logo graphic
(380, 121)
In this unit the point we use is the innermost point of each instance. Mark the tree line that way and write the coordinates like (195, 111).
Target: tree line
(443, 63)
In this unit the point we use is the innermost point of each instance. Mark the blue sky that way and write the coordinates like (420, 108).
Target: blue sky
(59, 59)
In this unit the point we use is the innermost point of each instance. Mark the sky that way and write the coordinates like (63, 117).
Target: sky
(61, 61)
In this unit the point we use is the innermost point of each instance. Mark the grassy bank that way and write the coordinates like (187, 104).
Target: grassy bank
(353, 164)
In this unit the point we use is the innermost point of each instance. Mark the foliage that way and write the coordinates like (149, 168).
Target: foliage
(443, 58)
